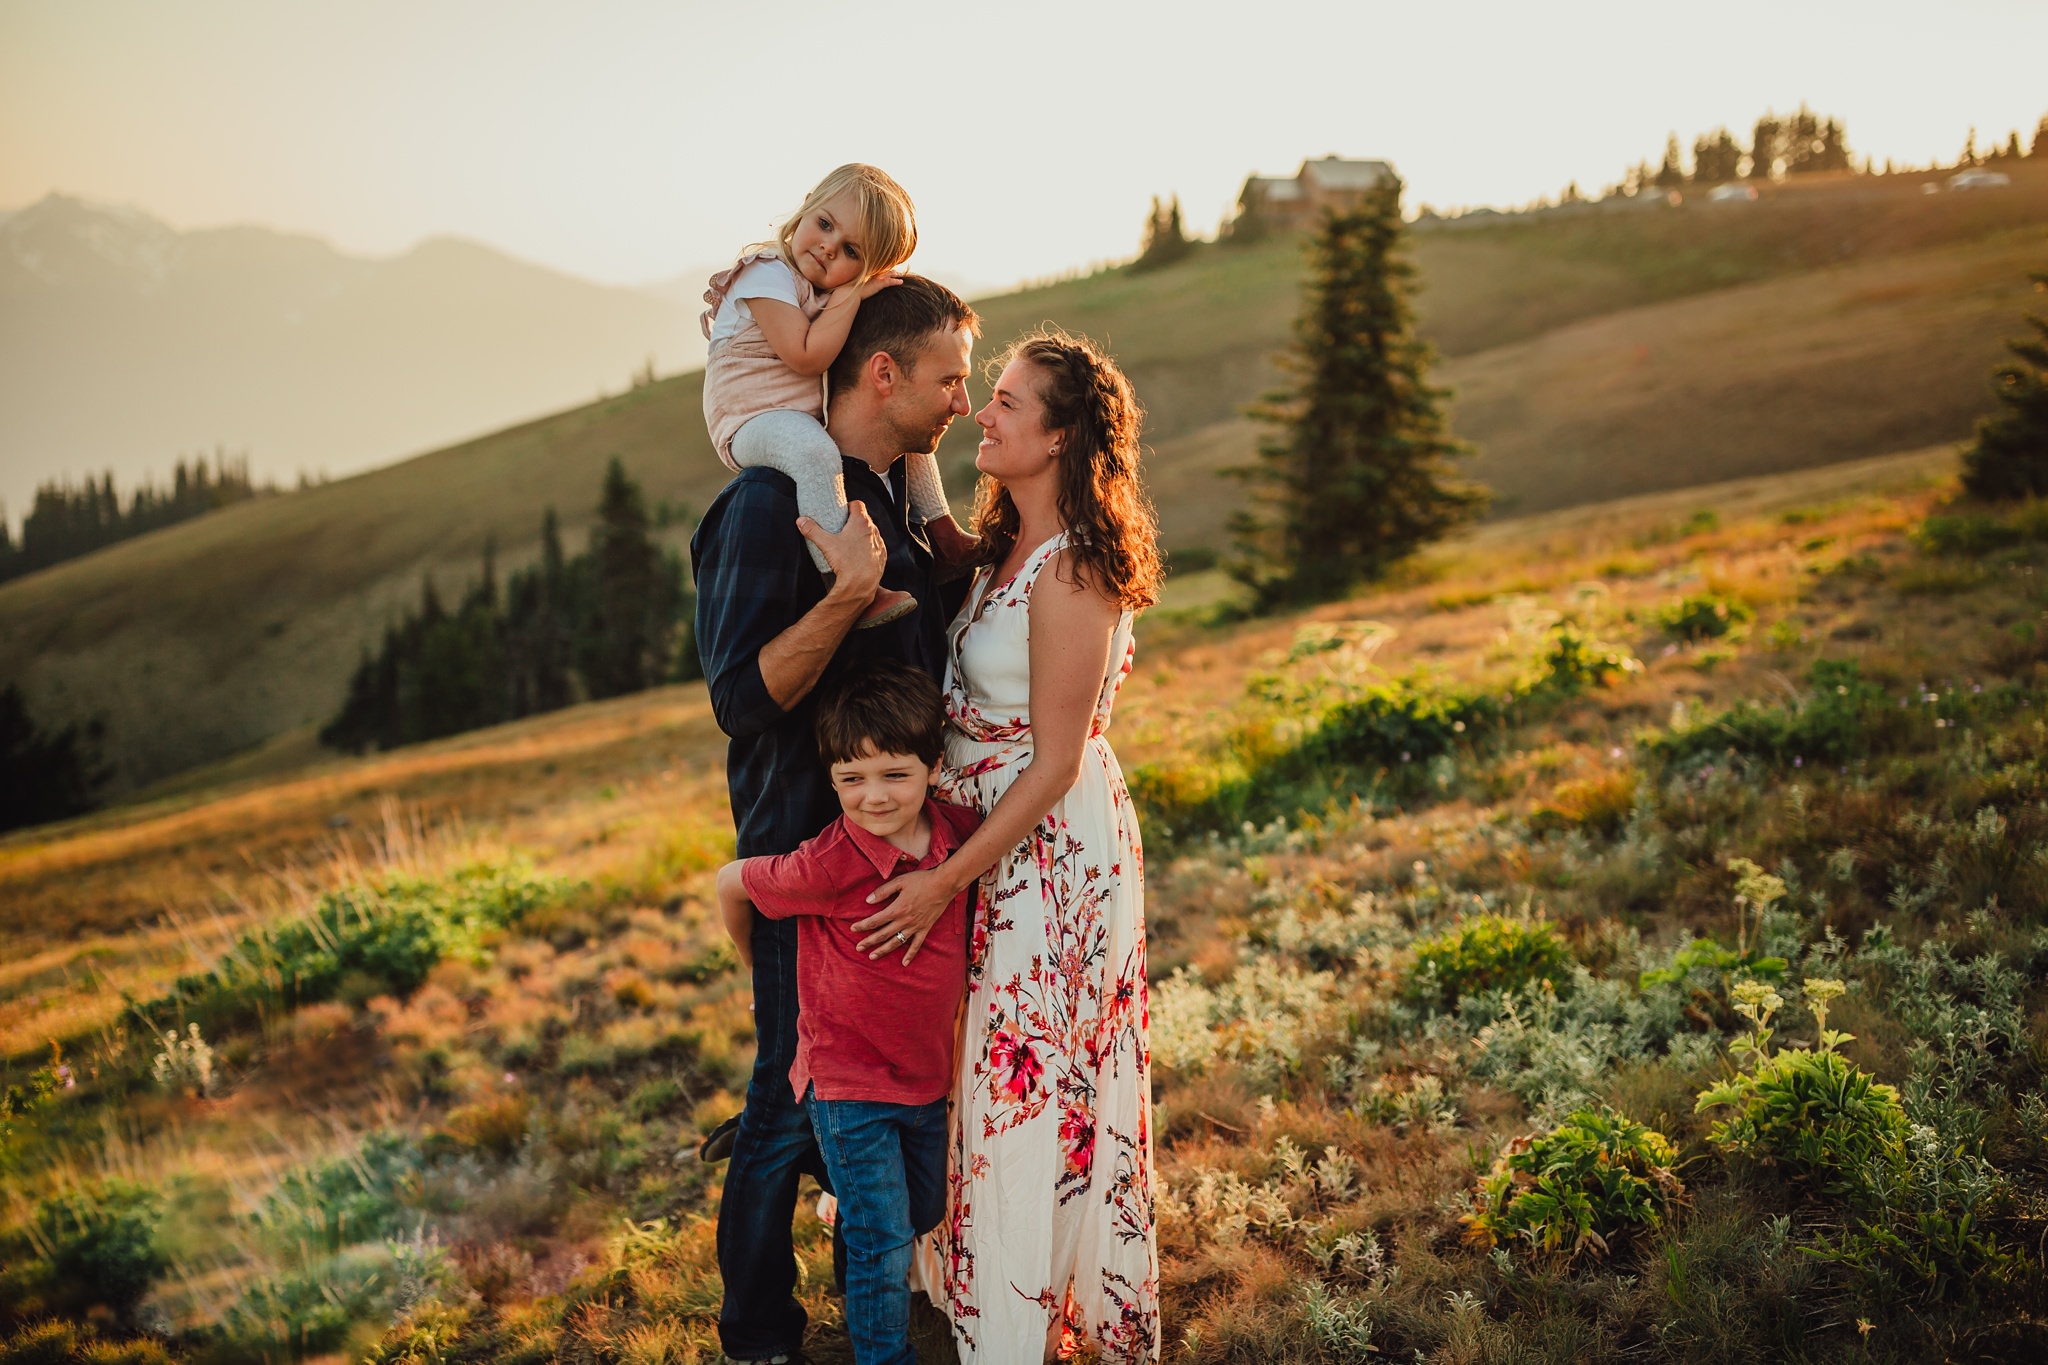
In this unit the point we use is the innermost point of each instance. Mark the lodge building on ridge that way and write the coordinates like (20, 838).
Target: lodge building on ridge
(1334, 183)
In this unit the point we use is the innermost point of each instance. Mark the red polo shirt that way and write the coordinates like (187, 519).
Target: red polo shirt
(867, 1029)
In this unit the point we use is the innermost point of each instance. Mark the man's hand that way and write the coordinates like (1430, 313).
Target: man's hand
(855, 552)
(919, 898)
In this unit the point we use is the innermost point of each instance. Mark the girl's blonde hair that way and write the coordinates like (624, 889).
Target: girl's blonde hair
(885, 224)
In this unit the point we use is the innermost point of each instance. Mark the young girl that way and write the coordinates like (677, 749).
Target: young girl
(777, 320)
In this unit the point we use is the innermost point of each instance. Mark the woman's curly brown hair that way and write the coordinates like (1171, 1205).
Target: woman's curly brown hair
(1110, 523)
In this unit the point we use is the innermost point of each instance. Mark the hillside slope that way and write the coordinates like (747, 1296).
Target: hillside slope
(1595, 353)
(469, 1010)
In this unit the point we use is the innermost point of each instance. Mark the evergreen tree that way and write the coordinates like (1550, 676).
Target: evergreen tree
(1251, 223)
(2010, 458)
(1716, 158)
(537, 629)
(44, 775)
(1165, 242)
(1358, 475)
(1671, 174)
(1766, 148)
(1969, 156)
(624, 642)
(2040, 148)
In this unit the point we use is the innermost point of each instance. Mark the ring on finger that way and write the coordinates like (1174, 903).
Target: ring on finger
(902, 937)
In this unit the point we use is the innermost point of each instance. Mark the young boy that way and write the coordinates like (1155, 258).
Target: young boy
(874, 1054)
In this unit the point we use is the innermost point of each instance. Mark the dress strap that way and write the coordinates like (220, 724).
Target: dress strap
(1041, 557)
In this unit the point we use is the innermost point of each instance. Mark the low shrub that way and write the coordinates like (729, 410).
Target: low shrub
(103, 1244)
(1966, 535)
(1703, 617)
(1488, 953)
(1841, 716)
(1596, 1176)
(377, 938)
(358, 1196)
(1575, 661)
(1811, 1113)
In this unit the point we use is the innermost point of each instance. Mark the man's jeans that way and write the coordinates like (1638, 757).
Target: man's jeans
(760, 1316)
(888, 1162)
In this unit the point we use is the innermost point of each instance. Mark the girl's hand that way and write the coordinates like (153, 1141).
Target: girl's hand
(910, 906)
(885, 280)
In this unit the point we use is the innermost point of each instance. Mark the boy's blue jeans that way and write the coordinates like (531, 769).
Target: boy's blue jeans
(888, 1164)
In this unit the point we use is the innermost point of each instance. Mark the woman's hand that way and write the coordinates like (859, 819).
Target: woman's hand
(909, 906)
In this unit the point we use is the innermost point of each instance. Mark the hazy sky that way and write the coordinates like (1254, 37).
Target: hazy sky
(624, 141)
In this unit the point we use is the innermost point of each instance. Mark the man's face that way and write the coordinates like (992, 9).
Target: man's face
(929, 393)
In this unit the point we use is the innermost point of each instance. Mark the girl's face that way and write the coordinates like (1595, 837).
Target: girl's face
(1015, 446)
(825, 252)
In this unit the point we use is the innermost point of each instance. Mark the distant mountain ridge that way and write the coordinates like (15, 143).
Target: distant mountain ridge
(125, 342)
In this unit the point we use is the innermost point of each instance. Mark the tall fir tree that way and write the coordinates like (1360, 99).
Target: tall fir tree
(1766, 147)
(1671, 174)
(1165, 240)
(2040, 147)
(1358, 474)
(1716, 157)
(2010, 457)
(626, 638)
(537, 628)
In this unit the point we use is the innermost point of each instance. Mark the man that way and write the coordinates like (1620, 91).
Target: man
(768, 630)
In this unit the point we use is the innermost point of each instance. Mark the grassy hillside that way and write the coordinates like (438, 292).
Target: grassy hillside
(1596, 352)
(1382, 956)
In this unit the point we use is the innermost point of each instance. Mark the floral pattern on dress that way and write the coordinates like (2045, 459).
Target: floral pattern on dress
(1050, 1218)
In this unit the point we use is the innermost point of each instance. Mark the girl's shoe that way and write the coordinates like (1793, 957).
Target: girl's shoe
(889, 605)
(954, 549)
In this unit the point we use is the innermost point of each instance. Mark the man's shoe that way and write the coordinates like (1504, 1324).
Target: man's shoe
(717, 1144)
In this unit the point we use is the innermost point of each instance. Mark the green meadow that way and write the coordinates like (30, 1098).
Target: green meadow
(406, 1057)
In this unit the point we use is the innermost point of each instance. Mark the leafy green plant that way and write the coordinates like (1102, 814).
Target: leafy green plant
(383, 937)
(102, 1242)
(1841, 716)
(1488, 953)
(1576, 1188)
(1967, 535)
(1812, 1113)
(1703, 617)
(1575, 661)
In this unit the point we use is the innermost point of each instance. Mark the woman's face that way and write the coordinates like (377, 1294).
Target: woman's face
(1015, 446)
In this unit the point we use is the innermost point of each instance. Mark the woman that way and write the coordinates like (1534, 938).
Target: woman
(1049, 1231)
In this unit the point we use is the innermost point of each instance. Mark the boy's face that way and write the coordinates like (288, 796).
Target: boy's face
(882, 793)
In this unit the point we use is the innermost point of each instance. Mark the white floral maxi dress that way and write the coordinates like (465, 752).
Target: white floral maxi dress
(1050, 1200)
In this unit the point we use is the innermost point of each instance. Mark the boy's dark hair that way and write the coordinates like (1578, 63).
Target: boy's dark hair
(900, 320)
(883, 706)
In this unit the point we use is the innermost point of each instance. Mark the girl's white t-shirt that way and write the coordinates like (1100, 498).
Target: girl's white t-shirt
(758, 280)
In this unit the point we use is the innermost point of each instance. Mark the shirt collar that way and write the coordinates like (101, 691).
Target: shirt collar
(885, 857)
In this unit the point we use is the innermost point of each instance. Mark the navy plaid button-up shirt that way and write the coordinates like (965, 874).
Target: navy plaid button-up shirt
(755, 579)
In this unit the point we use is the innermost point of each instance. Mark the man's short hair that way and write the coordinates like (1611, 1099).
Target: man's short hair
(900, 320)
(883, 706)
